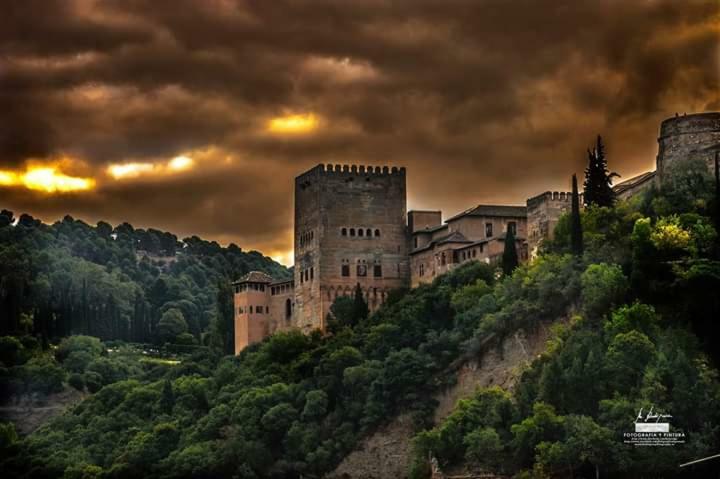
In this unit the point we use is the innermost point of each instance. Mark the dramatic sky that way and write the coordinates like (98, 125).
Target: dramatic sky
(195, 116)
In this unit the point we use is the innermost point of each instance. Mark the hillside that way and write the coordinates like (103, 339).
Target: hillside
(638, 302)
(116, 282)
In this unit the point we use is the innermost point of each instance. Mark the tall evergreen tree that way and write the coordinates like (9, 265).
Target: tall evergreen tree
(576, 234)
(167, 400)
(360, 307)
(510, 256)
(598, 181)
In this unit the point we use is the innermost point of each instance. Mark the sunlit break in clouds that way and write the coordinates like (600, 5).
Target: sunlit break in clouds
(47, 179)
(180, 163)
(205, 117)
(122, 171)
(129, 170)
(293, 123)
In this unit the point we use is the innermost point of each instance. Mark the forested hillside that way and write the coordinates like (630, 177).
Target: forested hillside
(116, 283)
(637, 308)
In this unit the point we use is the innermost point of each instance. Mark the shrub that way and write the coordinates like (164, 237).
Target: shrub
(10, 350)
(76, 380)
(603, 285)
(93, 381)
(87, 344)
(43, 375)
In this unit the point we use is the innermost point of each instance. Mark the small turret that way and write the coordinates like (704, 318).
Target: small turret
(252, 309)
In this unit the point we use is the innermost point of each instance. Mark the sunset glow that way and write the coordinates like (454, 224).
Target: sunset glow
(47, 179)
(180, 163)
(129, 170)
(122, 171)
(293, 124)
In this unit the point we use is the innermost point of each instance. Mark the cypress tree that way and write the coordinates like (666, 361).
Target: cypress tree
(510, 256)
(167, 400)
(360, 307)
(576, 235)
(598, 181)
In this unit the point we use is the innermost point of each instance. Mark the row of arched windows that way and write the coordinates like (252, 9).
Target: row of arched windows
(258, 310)
(280, 289)
(307, 275)
(241, 288)
(360, 232)
(307, 237)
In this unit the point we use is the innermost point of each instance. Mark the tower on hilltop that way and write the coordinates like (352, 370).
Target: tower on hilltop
(349, 229)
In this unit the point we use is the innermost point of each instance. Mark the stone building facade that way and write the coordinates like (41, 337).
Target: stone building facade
(349, 229)
(352, 228)
(543, 213)
(477, 234)
(684, 137)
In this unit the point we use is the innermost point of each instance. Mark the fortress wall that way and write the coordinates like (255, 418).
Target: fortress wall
(419, 220)
(355, 198)
(543, 213)
(308, 231)
(686, 137)
(279, 319)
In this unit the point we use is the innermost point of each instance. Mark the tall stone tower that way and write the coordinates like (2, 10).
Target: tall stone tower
(349, 229)
(686, 137)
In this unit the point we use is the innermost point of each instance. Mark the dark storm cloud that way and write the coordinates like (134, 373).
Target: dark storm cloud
(481, 100)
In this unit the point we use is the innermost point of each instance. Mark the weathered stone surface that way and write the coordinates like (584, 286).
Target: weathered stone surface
(686, 137)
(354, 218)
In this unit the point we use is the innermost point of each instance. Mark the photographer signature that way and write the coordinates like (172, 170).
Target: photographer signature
(650, 416)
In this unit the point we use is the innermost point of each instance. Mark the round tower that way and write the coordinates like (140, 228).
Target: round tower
(685, 137)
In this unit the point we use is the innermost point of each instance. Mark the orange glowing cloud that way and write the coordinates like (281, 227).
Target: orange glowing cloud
(45, 178)
(121, 171)
(293, 123)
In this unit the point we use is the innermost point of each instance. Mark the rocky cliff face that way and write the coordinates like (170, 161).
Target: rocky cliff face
(386, 453)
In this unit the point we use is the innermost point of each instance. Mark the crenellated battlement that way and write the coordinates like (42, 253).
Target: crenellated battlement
(361, 169)
(562, 196)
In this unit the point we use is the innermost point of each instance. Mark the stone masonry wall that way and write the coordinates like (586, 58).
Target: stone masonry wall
(337, 206)
(688, 136)
(543, 213)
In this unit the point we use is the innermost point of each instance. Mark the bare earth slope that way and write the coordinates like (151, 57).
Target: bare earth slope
(386, 453)
(29, 414)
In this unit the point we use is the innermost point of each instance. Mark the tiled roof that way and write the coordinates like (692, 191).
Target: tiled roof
(454, 237)
(255, 277)
(430, 229)
(493, 210)
(633, 182)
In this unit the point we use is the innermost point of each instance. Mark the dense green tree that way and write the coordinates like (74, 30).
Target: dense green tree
(603, 286)
(171, 325)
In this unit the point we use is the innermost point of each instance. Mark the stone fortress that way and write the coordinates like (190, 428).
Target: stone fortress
(352, 228)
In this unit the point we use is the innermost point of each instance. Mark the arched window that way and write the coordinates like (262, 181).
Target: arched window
(343, 232)
(377, 233)
(250, 309)
(352, 231)
(288, 308)
(368, 233)
(360, 232)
